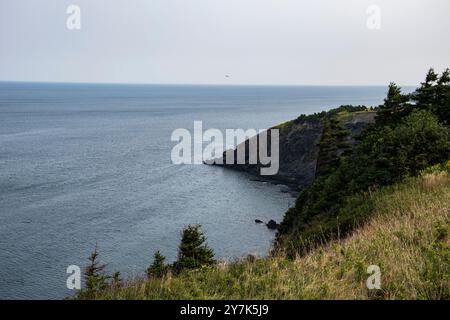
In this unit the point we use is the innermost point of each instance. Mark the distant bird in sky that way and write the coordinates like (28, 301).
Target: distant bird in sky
(227, 76)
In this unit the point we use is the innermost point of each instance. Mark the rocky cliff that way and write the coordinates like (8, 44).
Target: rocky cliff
(308, 144)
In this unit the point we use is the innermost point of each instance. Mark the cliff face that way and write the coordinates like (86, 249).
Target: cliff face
(306, 144)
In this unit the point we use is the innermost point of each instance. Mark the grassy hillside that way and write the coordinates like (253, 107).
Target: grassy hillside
(384, 155)
(407, 236)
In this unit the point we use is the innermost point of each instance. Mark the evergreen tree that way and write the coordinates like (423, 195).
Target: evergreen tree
(430, 78)
(425, 95)
(443, 97)
(157, 268)
(434, 95)
(395, 106)
(333, 144)
(95, 277)
(445, 78)
(193, 252)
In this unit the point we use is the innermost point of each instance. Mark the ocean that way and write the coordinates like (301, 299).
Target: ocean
(84, 165)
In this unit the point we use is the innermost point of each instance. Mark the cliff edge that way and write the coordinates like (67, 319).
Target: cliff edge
(308, 144)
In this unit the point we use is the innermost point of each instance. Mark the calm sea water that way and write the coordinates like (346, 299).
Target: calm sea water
(82, 165)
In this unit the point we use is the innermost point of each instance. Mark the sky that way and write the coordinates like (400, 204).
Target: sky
(277, 42)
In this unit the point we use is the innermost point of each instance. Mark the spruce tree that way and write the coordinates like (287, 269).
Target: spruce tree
(434, 95)
(425, 95)
(443, 97)
(157, 268)
(193, 252)
(395, 106)
(95, 277)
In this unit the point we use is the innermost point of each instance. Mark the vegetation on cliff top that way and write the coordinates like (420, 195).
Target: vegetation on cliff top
(410, 134)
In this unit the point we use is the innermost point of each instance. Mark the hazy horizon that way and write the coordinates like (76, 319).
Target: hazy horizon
(218, 42)
(203, 84)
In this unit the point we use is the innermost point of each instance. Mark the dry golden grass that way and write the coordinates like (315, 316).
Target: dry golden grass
(435, 180)
(407, 238)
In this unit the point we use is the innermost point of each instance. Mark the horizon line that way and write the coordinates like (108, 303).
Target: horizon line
(202, 84)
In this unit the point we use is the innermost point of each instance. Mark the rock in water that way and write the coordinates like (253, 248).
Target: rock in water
(272, 224)
(258, 221)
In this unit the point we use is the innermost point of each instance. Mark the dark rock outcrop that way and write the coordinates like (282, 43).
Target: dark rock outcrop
(298, 155)
(272, 224)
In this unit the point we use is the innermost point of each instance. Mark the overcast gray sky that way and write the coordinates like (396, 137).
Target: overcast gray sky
(201, 41)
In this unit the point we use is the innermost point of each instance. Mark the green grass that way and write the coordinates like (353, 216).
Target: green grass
(344, 116)
(284, 127)
(407, 236)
